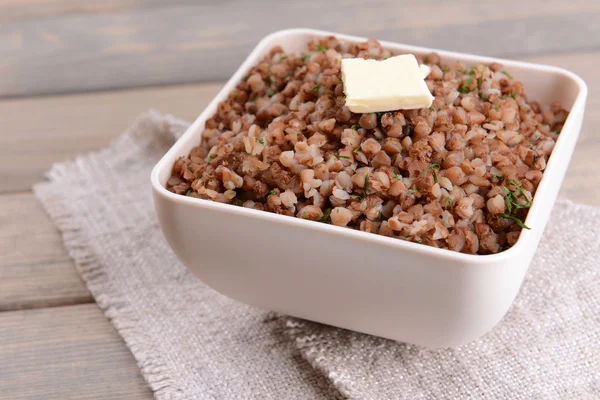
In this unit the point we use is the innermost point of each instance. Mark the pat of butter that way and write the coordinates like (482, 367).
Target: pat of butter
(393, 84)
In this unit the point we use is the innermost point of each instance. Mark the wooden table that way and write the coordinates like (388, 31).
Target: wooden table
(74, 74)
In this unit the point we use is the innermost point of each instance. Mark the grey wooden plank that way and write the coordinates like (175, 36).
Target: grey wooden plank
(65, 353)
(39, 131)
(19, 10)
(35, 269)
(206, 41)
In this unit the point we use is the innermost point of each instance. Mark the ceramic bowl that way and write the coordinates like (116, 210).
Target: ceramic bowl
(357, 280)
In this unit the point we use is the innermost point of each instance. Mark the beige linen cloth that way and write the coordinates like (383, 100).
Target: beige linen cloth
(192, 343)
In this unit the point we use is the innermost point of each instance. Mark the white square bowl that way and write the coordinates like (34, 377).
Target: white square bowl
(352, 279)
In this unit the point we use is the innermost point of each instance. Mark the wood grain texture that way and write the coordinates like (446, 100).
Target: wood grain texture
(35, 269)
(20, 10)
(114, 45)
(65, 353)
(39, 131)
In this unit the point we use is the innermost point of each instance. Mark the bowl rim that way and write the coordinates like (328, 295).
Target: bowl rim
(518, 247)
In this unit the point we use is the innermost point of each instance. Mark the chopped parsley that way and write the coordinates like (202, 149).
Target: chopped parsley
(516, 184)
(449, 202)
(472, 71)
(209, 159)
(325, 216)
(513, 95)
(259, 140)
(322, 49)
(496, 107)
(316, 88)
(507, 74)
(418, 241)
(463, 88)
(445, 70)
(269, 79)
(356, 150)
(190, 191)
(396, 176)
(339, 156)
(283, 58)
(413, 191)
(508, 198)
(558, 131)
(380, 215)
(364, 194)
(517, 220)
(304, 58)
(480, 80)
(355, 127)
(234, 95)
(272, 192)
(434, 168)
(432, 108)
(498, 177)
(512, 202)
(304, 215)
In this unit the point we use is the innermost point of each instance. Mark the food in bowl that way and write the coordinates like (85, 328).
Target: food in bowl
(460, 175)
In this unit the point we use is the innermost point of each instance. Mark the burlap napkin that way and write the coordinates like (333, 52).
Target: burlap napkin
(192, 343)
